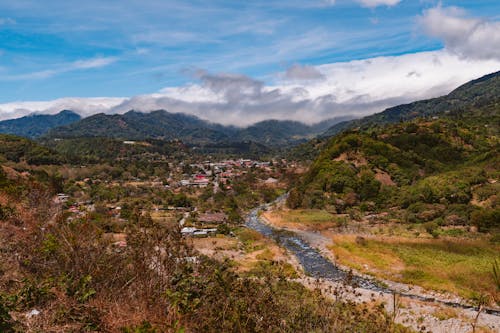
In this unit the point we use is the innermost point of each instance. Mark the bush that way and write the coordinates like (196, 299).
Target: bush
(431, 227)
(6, 321)
(486, 219)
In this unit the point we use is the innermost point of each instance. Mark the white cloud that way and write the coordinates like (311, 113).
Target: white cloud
(376, 3)
(356, 88)
(84, 106)
(92, 63)
(367, 3)
(466, 36)
(62, 68)
(302, 72)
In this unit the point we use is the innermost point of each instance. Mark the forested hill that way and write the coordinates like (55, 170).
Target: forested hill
(164, 125)
(17, 149)
(446, 167)
(35, 125)
(474, 94)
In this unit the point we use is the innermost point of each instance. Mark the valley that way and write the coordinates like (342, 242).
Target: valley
(385, 226)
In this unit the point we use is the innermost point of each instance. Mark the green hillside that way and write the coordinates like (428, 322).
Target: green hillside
(189, 129)
(443, 170)
(33, 126)
(474, 94)
(17, 149)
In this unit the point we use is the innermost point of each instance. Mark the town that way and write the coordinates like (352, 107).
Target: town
(190, 196)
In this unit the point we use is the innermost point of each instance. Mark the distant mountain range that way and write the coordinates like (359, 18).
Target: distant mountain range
(35, 125)
(189, 129)
(476, 93)
(164, 125)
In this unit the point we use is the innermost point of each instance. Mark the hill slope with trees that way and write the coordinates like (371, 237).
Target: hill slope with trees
(443, 170)
(474, 94)
(189, 129)
(33, 126)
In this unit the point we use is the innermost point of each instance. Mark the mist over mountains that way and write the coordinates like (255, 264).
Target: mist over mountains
(165, 125)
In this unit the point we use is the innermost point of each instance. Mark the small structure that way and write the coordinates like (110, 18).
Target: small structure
(188, 231)
(61, 197)
(195, 232)
(270, 180)
(200, 233)
(212, 218)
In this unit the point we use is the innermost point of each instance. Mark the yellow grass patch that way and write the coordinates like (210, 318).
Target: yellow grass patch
(303, 219)
(462, 267)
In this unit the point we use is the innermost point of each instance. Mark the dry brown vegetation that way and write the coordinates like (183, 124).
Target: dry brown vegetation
(460, 266)
(78, 281)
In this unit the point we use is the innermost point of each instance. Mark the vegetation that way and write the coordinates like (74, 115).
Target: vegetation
(471, 96)
(189, 129)
(457, 266)
(33, 126)
(70, 275)
(18, 149)
(312, 219)
(442, 170)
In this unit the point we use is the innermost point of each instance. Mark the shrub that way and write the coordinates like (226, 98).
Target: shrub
(486, 219)
(431, 227)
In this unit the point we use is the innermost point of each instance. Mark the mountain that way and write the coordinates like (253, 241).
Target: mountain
(164, 125)
(476, 93)
(280, 131)
(443, 169)
(136, 126)
(35, 125)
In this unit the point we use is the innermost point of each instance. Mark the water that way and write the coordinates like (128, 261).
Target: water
(316, 265)
(312, 261)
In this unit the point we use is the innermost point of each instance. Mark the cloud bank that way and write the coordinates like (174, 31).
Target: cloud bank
(310, 93)
(303, 72)
(355, 88)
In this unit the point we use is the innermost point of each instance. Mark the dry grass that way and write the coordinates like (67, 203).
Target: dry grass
(303, 219)
(217, 247)
(165, 218)
(458, 266)
(445, 313)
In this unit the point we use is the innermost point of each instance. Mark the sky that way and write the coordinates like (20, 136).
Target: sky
(239, 62)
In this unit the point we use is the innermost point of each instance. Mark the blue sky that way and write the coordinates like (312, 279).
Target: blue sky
(55, 49)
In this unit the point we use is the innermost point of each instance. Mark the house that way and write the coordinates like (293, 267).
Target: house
(200, 233)
(187, 231)
(270, 180)
(194, 232)
(202, 182)
(61, 197)
(212, 218)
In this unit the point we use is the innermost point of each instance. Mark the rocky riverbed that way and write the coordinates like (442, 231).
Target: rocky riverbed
(417, 308)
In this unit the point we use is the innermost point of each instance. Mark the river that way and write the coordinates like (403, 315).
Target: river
(316, 265)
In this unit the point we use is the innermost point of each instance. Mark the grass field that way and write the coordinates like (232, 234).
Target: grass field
(458, 266)
(164, 217)
(310, 219)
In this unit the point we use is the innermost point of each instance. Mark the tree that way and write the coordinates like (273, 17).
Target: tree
(369, 187)
(294, 199)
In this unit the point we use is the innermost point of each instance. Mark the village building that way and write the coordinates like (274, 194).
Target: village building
(212, 218)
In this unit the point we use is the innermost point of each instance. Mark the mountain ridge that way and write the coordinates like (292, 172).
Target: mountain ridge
(34, 125)
(161, 124)
(470, 94)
